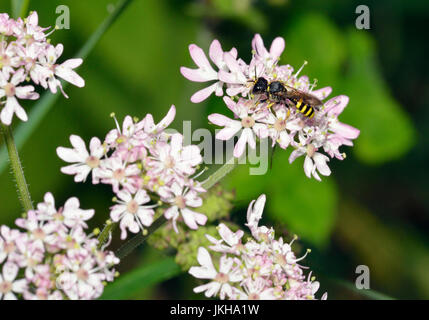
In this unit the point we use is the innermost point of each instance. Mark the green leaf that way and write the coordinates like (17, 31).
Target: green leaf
(387, 131)
(42, 107)
(315, 39)
(134, 281)
(367, 293)
(306, 206)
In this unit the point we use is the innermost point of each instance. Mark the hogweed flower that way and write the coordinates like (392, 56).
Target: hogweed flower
(52, 257)
(259, 117)
(147, 167)
(260, 268)
(27, 56)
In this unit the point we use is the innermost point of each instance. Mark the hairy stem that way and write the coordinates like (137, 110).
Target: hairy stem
(137, 240)
(18, 172)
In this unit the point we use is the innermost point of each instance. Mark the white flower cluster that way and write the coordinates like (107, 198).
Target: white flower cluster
(53, 258)
(262, 268)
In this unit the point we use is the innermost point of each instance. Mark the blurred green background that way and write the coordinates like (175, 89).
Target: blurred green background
(373, 209)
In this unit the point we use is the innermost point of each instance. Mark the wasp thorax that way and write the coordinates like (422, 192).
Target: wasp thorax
(222, 277)
(247, 122)
(260, 86)
(92, 162)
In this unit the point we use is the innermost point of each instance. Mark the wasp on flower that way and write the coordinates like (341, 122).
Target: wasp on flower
(272, 101)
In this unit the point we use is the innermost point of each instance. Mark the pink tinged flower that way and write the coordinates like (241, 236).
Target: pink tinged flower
(335, 106)
(205, 72)
(269, 57)
(9, 286)
(258, 289)
(118, 173)
(248, 125)
(74, 216)
(11, 91)
(6, 24)
(9, 236)
(180, 199)
(344, 130)
(322, 93)
(278, 126)
(10, 60)
(83, 162)
(153, 129)
(235, 76)
(228, 272)
(315, 161)
(131, 212)
(174, 158)
(81, 281)
(32, 28)
(49, 69)
(232, 240)
(254, 214)
(66, 72)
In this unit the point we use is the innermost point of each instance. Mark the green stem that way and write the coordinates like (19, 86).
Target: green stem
(219, 174)
(137, 240)
(18, 172)
(104, 235)
(20, 8)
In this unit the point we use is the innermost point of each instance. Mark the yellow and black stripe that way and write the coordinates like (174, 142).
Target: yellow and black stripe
(305, 109)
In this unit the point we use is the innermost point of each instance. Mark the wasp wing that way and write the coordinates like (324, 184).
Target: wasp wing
(307, 98)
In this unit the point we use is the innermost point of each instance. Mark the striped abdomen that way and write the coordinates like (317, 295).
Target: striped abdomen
(305, 109)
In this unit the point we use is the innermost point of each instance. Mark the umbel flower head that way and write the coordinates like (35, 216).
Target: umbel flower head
(147, 168)
(262, 268)
(257, 116)
(51, 257)
(27, 57)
